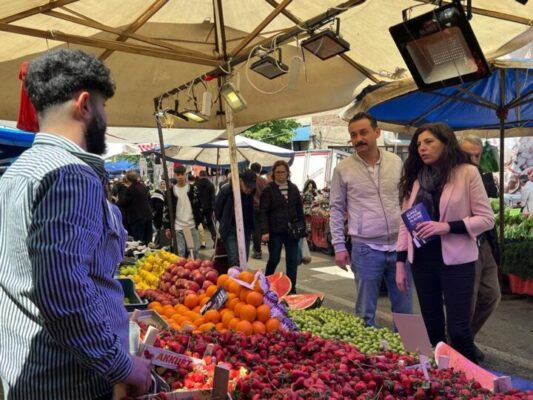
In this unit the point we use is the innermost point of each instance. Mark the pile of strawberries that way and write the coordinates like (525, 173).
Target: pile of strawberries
(296, 365)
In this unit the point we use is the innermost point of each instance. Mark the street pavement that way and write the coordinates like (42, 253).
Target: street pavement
(506, 338)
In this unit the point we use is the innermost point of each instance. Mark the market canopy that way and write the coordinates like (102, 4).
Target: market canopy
(216, 154)
(154, 47)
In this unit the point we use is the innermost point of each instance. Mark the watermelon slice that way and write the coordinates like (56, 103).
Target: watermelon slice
(303, 301)
(280, 284)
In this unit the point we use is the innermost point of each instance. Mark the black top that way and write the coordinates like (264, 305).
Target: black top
(225, 211)
(136, 202)
(206, 192)
(276, 211)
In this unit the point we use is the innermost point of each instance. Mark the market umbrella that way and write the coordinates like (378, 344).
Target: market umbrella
(502, 102)
(216, 154)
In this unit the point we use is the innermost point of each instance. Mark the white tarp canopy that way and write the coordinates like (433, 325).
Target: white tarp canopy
(152, 47)
(217, 153)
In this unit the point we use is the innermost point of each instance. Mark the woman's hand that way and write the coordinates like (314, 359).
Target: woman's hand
(265, 237)
(401, 277)
(432, 228)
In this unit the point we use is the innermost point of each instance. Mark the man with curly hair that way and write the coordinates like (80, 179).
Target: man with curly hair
(63, 325)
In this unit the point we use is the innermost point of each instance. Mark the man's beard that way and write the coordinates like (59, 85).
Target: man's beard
(95, 136)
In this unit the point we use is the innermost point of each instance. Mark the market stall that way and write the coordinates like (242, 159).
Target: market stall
(316, 212)
(197, 321)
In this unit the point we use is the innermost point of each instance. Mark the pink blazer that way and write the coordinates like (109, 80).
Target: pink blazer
(463, 198)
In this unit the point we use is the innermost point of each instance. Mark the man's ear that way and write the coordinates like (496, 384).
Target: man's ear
(82, 105)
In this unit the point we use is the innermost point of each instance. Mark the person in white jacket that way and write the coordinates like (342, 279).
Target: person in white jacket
(365, 191)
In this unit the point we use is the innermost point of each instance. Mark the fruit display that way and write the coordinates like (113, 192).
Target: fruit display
(279, 283)
(329, 323)
(303, 301)
(246, 310)
(299, 365)
(146, 271)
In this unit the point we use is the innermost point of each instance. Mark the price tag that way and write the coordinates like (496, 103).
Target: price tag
(216, 301)
(514, 212)
(169, 359)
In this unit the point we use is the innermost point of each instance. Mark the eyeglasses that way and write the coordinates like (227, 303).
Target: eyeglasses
(280, 172)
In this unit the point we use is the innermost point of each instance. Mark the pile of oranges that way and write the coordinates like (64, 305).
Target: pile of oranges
(243, 311)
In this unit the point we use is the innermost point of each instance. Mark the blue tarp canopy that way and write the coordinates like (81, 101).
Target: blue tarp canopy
(472, 105)
(302, 133)
(12, 143)
(116, 168)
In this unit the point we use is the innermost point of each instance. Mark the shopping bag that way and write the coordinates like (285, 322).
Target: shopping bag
(306, 254)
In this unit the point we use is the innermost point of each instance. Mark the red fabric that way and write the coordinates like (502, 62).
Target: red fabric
(520, 286)
(27, 119)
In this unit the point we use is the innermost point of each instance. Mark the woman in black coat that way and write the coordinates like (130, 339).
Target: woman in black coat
(281, 208)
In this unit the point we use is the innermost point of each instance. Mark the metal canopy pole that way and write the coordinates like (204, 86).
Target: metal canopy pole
(236, 187)
(502, 115)
(174, 243)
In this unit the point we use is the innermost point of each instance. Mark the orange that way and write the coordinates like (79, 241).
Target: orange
(197, 309)
(255, 299)
(180, 308)
(257, 288)
(206, 327)
(246, 276)
(175, 326)
(223, 311)
(219, 326)
(191, 301)
(248, 313)
(210, 290)
(199, 321)
(244, 327)
(231, 296)
(232, 303)
(175, 317)
(244, 292)
(228, 282)
(233, 323)
(263, 313)
(168, 311)
(227, 317)
(272, 325)
(212, 316)
(258, 327)
(154, 305)
(237, 308)
(234, 287)
(204, 300)
(221, 279)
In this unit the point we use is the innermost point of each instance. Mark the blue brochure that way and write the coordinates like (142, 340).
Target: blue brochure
(411, 218)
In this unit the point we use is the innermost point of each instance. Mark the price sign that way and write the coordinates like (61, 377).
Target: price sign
(216, 301)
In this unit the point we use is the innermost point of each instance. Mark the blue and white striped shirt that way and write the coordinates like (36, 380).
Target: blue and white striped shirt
(63, 325)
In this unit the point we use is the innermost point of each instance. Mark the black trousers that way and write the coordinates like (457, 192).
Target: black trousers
(207, 221)
(141, 230)
(256, 236)
(451, 286)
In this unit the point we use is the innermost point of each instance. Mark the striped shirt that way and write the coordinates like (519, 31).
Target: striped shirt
(63, 325)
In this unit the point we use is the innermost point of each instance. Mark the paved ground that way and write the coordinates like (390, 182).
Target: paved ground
(506, 339)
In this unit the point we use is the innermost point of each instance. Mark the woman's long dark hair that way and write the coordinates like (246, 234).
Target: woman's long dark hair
(452, 156)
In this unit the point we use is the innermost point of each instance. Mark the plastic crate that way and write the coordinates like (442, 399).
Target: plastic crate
(134, 301)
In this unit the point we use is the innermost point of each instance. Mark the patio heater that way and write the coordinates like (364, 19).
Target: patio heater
(440, 48)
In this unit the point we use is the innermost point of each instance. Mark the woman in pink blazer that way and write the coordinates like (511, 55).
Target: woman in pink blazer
(438, 174)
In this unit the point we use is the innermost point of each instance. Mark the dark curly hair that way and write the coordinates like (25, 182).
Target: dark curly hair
(57, 75)
(452, 156)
